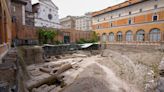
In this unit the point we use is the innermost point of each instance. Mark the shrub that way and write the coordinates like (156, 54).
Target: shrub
(46, 35)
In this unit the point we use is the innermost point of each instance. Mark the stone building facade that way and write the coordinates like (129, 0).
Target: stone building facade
(22, 22)
(5, 27)
(133, 21)
(18, 12)
(84, 22)
(29, 15)
(46, 14)
(68, 22)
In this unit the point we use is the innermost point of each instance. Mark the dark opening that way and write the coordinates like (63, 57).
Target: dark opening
(155, 18)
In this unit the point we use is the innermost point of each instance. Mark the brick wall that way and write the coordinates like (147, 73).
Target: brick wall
(76, 35)
(27, 32)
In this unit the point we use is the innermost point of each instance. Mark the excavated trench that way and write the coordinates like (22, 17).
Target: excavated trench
(122, 70)
(117, 69)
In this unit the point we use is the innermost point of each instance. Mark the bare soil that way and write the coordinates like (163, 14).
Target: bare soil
(119, 70)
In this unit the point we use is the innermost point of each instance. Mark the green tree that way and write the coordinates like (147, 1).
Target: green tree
(46, 35)
(94, 37)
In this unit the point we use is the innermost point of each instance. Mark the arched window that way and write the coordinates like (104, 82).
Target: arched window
(111, 37)
(129, 36)
(155, 35)
(119, 36)
(104, 37)
(140, 36)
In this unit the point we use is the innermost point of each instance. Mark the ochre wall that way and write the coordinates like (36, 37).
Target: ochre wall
(5, 26)
(135, 20)
(134, 28)
(139, 19)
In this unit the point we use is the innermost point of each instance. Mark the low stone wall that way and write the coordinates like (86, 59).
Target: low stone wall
(51, 50)
(32, 55)
(8, 72)
(132, 46)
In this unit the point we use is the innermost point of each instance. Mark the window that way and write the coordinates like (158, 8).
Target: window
(140, 36)
(13, 19)
(130, 13)
(155, 6)
(111, 37)
(111, 17)
(104, 37)
(119, 36)
(130, 21)
(98, 27)
(155, 35)
(14, 9)
(119, 15)
(140, 10)
(129, 36)
(111, 24)
(155, 17)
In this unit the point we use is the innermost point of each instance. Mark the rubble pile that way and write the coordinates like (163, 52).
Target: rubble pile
(160, 82)
(135, 65)
(48, 76)
(117, 69)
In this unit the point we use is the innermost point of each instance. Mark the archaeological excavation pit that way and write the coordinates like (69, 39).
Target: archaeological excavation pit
(114, 69)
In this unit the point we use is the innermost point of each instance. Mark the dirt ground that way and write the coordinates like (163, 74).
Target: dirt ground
(117, 70)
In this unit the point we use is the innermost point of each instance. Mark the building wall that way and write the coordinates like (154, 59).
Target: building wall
(5, 27)
(28, 5)
(140, 14)
(84, 23)
(76, 35)
(68, 22)
(44, 10)
(29, 15)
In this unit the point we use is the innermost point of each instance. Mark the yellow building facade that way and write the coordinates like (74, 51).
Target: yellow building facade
(133, 21)
(5, 26)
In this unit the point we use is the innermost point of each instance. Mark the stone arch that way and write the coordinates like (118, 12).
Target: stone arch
(140, 35)
(104, 37)
(119, 36)
(129, 36)
(154, 35)
(111, 37)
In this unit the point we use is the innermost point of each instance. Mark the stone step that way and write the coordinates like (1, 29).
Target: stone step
(9, 60)
(4, 87)
(12, 55)
(7, 72)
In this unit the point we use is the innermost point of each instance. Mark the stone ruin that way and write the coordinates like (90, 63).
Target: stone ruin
(13, 69)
